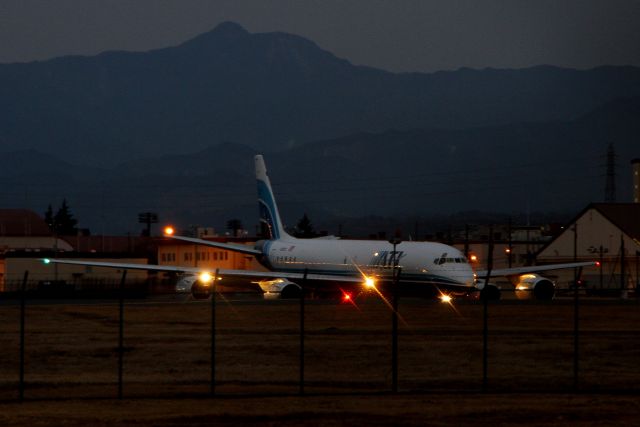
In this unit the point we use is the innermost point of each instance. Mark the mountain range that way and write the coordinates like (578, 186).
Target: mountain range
(174, 130)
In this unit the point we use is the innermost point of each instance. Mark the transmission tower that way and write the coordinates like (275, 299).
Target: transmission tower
(610, 187)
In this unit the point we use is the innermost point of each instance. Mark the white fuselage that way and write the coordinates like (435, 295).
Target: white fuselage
(418, 262)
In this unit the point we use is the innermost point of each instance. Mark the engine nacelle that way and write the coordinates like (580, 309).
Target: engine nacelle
(279, 289)
(533, 285)
(192, 283)
(488, 291)
(185, 283)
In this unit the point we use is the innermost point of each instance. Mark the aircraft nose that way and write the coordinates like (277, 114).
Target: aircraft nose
(465, 276)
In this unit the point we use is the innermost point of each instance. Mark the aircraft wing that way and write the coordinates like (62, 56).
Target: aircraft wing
(228, 246)
(120, 265)
(533, 269)
(195, 270)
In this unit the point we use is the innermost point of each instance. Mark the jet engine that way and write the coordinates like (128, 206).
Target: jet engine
(488, 291)
(200, 288)
(279, 289)
(534, 285)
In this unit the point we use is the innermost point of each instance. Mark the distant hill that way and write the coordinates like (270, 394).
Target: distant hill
(513, 169)
(269, 91)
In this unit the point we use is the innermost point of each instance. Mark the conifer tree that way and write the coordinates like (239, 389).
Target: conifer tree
(304, 228)
(63, 222)
(48, 218)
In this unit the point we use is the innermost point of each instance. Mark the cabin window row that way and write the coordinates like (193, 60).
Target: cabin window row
(200, 256)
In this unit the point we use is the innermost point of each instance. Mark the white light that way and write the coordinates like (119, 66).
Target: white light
(205, 277)
(369, 282)
(445, 298)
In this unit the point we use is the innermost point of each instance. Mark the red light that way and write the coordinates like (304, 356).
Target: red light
(346, 297)
(597, 263)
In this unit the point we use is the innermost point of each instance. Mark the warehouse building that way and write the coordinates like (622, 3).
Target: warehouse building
(604, 232)
(25, 239)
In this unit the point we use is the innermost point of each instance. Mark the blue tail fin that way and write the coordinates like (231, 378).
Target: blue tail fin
(267, 203)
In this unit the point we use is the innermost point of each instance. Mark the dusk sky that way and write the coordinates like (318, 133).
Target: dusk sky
(401, 35)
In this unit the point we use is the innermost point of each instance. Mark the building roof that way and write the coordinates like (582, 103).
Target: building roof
(22, 223)
(625, 216)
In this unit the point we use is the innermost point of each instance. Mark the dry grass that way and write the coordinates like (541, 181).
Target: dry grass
(72, 359)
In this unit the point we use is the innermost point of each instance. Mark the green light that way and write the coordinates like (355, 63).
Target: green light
(46, 261)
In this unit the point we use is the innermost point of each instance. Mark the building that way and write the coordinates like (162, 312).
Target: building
(185, 254)
(24, 235)
(25, 230)
(25, 239)
(604, 232)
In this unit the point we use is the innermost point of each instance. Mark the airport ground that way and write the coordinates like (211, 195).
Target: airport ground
(71, 364)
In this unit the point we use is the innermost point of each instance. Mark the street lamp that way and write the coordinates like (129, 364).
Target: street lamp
(148, 218)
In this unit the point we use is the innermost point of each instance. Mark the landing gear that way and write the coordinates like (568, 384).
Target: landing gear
(490, 293)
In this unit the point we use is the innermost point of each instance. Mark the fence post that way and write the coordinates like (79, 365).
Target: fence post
(121, 333)
(485, 327)
(485, 342)
(23, 290)
(394, 332)
(302, 295)
(213, 333)
(576, 315)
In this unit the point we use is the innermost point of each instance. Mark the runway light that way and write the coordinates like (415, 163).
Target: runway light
(46, 261)
(169, 230)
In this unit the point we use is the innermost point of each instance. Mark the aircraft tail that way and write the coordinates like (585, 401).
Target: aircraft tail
(269, 214)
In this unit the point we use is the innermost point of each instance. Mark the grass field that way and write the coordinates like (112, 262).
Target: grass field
(71, 364)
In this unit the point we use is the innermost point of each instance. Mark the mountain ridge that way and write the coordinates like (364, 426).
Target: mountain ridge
(513, 168)
(267, 90)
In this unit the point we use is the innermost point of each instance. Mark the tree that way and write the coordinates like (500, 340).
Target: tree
(62, 222)
(48, 218)
(304, 228)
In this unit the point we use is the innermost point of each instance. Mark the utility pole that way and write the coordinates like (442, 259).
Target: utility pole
(510, 248)
(610, 187)
(466, 241)
(623, 273)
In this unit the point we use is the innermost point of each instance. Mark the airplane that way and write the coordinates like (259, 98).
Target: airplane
(334, 266)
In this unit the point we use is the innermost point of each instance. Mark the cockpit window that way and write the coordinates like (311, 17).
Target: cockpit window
(444, 259)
